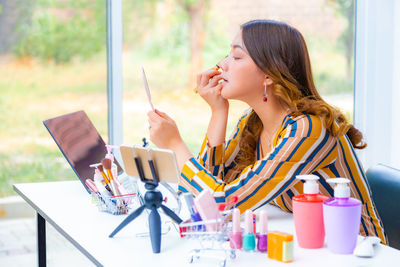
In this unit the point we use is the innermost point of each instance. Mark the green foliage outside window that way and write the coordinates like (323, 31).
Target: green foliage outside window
(60, 31)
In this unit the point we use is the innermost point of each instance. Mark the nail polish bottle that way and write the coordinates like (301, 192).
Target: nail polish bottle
(236, 235)
(249, 239)
(262, 244)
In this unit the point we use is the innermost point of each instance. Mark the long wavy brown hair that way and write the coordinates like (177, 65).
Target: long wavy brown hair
(280, 51)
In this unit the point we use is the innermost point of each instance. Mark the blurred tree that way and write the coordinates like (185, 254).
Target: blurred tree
(13, 13)
(345, 9)
(139, 18)
(196, 10)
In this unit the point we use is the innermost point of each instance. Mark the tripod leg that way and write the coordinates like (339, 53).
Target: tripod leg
(127, 220)
(155, 230)
(171, 214)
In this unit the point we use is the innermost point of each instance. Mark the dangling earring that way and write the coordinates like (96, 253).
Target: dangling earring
(265, 95)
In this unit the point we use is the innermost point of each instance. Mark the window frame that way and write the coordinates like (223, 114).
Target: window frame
(114, 71)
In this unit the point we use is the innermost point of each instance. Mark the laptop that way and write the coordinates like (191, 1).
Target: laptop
(79, 141)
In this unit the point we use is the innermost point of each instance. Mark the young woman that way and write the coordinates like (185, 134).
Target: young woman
(288, 130)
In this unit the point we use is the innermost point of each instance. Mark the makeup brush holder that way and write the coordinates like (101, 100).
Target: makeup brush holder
(116, 205)
(120, 204)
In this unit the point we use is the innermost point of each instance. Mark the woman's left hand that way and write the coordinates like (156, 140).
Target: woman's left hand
(163, 130)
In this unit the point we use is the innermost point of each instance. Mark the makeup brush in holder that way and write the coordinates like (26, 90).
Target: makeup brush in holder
(152, 200)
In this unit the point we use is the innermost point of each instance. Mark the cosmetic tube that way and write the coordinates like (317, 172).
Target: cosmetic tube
(208, 209)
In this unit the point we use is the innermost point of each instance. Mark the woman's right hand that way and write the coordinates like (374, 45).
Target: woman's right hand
(210, 90)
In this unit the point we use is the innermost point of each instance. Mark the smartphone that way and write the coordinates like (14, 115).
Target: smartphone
(164, 161)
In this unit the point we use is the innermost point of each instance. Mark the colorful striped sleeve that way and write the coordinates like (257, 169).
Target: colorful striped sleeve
(212, 158)
(215, 158)
(303, 147)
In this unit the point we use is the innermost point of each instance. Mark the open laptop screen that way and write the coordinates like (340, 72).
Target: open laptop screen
(79, 141)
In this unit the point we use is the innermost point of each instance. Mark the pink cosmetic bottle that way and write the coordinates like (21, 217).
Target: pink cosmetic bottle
(236, 235)
(342, 218)
(307, 214)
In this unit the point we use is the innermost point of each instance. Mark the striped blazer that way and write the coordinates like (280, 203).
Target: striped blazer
(302, 145)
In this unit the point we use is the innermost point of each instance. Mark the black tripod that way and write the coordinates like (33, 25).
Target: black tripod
(152, 201)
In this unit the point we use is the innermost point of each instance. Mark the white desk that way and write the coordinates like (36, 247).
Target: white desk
(68, 207)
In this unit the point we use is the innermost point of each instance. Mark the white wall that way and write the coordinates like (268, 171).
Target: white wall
(377, 80)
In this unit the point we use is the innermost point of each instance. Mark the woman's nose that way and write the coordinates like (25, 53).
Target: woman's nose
(223, 64)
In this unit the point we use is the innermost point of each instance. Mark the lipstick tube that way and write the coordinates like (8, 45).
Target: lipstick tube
(236, 235)
(249, 239)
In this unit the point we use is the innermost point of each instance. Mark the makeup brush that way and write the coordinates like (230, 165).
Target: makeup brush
(113, 180)
(101, 170)
(107, 165)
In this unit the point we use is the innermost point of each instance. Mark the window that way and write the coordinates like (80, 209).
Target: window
(174, 40)
(52, 62)
(377, 81)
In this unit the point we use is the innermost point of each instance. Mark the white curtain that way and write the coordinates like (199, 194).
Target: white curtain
(377, 80)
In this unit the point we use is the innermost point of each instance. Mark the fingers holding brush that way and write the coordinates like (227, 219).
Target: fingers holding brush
(204, 78)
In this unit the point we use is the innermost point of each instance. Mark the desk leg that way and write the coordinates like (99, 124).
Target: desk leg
(41, 240)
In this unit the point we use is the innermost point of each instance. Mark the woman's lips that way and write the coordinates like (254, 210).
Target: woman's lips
(223, 80)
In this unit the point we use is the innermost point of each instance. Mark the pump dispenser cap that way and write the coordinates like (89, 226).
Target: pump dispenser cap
(311, 185)
(109, 154)
(341, 187)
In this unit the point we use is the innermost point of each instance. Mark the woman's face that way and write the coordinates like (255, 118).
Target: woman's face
(243, 80)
